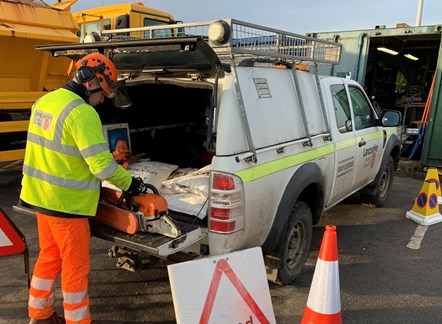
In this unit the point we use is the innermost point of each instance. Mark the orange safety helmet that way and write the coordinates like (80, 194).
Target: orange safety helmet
(99, 66)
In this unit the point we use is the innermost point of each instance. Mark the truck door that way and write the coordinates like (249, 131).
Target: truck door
(369, 137)
(344, 139)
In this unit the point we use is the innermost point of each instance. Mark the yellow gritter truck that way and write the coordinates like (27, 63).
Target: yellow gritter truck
(26, 74)
(120, 16)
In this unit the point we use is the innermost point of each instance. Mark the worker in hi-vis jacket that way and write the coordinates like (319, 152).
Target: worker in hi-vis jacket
(66, 158)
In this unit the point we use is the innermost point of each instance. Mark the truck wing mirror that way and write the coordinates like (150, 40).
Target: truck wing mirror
(390, 118)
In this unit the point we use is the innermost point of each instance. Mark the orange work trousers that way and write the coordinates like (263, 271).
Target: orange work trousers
(64, 249)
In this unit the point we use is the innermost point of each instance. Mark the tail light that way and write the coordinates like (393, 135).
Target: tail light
(226, 205)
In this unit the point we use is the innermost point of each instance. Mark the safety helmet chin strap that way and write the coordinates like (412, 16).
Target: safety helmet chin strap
(88, 92)
(95, 90)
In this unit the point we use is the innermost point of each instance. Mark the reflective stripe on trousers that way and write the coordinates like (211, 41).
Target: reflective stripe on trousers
(64, 249)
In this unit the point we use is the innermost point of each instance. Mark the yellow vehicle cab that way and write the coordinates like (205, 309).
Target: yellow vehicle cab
(120, 16)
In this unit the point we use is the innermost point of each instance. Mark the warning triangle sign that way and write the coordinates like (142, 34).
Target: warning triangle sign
(227, 288)
(12, 240)
(223, 267)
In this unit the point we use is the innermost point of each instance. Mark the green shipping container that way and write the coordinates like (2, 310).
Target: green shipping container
(397, 66)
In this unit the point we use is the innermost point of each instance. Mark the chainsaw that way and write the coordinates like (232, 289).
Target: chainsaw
(147, 212)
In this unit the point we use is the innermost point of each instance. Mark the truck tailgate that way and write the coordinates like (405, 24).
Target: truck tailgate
(151, 243)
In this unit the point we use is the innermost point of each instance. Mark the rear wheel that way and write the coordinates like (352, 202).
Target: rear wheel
(382, 188)
(297, 241)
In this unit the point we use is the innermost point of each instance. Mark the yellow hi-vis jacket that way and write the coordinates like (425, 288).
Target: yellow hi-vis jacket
(67, 156)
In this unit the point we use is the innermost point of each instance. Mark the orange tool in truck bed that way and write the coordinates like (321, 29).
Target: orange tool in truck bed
(116, 217)
(148, 212)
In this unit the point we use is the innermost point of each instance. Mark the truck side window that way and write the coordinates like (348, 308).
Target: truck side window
(122, 22)
(364, 116)
(107, 24)
(342, 107)
(160, 33)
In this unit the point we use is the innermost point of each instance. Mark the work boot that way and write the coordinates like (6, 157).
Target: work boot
(53, 319)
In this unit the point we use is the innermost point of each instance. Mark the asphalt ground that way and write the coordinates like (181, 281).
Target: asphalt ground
(389, 267)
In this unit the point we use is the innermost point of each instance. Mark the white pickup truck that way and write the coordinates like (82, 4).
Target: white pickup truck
(283, 144)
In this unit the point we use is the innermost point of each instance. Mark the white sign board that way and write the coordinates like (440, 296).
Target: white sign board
(229, 288)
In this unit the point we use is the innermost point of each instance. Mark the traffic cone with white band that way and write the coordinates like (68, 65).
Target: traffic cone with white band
(324, 299)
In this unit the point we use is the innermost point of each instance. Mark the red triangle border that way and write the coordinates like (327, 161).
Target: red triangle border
(223, 267)
(14, 235)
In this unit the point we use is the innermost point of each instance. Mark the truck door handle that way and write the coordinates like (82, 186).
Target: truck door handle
(362, 143)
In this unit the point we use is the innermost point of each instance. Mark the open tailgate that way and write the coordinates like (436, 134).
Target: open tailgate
(150, 243)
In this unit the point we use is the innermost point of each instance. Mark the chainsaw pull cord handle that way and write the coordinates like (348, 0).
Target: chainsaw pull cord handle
(151, 187)
(125, 196)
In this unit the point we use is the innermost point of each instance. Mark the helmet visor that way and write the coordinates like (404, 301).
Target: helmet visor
(121, 98)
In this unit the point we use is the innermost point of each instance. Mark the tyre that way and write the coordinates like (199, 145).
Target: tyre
(297, 241)
(382, 188)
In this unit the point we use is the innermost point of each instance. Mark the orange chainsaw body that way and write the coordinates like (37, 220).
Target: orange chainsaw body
(150, 205)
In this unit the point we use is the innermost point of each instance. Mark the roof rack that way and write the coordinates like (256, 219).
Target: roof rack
(231, 38)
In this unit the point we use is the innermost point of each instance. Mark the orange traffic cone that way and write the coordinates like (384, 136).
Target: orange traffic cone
(324, 300)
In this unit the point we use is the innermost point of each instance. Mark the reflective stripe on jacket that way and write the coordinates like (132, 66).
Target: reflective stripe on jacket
(67, 156)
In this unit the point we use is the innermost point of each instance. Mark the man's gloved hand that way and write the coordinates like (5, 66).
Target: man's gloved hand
(136, 187)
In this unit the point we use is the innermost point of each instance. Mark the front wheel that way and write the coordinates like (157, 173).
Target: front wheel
(297, 241)
(382, 189)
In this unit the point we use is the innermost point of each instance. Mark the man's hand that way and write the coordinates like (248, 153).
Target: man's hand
(136, 187)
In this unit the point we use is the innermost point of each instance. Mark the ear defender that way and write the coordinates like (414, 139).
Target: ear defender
(85, 74)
